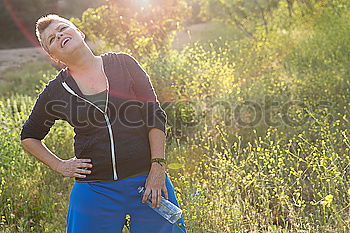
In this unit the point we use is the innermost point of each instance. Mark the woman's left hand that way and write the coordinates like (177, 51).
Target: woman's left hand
(155, 184)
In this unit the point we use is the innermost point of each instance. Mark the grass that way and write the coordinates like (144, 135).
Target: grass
(205, 32)
(292, 176)
(25, 78)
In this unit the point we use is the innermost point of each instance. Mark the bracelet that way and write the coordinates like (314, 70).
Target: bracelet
(159, 160)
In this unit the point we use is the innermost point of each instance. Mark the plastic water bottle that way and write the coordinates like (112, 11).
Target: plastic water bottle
(167, 209)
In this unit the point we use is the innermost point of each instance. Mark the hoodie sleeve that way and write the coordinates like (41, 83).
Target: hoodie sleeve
(153, 114)
(40, 119)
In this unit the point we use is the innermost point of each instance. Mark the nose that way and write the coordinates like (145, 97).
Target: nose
(59, 35)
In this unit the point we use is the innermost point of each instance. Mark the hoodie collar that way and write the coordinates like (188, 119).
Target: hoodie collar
(69, 80)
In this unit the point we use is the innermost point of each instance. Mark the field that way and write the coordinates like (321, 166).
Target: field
(258, 131)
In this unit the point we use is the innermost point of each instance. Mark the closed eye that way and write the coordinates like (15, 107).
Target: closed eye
(63, 28)
(51, 40)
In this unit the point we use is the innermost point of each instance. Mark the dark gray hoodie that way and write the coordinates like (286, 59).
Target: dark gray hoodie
(116, 139)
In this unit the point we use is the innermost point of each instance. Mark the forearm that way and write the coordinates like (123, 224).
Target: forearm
(39, 150)
(157, 143)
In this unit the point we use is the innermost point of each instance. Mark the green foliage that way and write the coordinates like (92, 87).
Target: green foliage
(27, 186)
(142, 30)
(246, 15)
(286, 171)
(26, 79)
(194, 72)
(279, 181)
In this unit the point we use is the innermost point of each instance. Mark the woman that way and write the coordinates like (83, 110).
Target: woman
(119, 134)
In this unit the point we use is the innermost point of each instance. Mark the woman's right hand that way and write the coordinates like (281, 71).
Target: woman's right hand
(74, 167)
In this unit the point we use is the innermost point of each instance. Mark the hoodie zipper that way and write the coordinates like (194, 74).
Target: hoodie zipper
(65, 85)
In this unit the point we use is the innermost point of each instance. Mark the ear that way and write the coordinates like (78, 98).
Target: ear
(82, 33)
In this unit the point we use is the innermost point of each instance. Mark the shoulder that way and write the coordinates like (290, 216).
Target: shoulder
(117, 54)
(53, 85)
(121, 57)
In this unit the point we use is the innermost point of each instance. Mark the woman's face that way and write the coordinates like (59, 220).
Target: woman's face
(61, 39)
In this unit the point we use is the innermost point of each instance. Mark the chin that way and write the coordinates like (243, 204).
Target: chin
(76, 46)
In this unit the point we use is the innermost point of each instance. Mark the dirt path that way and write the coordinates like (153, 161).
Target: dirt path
(16, 57)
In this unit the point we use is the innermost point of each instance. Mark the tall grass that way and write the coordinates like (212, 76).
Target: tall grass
(258, 134)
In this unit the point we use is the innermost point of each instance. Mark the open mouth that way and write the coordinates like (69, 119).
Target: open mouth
(65, 41)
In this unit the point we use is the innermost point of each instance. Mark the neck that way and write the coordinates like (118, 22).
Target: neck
(81, 60)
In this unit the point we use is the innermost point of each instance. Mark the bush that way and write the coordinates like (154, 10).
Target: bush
(232, 170)
(126, 26)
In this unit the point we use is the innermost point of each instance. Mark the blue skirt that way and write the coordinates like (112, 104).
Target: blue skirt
(102, 206)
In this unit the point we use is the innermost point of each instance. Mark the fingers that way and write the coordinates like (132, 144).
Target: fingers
(84, 171)
(78, 175)
(155, 183)
(154, 198)
(159, 195)
(165, 191)
(84, 160)
(84, 165)
(77, 168)
(145, 195)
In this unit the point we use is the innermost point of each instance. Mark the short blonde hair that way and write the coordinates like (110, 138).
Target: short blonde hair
(43, 22)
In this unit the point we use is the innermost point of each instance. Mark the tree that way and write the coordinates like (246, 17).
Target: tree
(244, 14)
(139, 29)
(18, 17)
